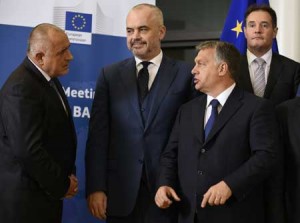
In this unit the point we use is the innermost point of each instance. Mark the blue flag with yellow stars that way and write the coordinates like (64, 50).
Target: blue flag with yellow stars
(80, 22)
(233, 31)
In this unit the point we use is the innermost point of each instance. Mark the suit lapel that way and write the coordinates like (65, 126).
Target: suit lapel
(164, 78)
(63, 97)
(66, 102)
(128, 76)
(243, 79)
(275, 71)
(232, 104)
(37, 74)
(198, 118)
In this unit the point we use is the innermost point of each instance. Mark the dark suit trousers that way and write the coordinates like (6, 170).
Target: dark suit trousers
(146, 211)
(40, 209)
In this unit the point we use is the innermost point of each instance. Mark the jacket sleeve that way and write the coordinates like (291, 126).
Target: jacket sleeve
(263, 136)
(23, 119)
(168, 161)
(98, 139)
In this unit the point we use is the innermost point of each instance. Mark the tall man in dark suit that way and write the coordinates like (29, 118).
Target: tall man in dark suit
(130, 123)
(288, 114)
(216, 168)
(281, 74)
(281, 77)
(38, 141)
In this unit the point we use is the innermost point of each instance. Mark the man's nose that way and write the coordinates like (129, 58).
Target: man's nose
(194, 71)
(258, 29)
(136, 34)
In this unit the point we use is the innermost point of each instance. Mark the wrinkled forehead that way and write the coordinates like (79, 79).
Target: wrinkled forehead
(205, 53)
(259, 15)
(146, 14)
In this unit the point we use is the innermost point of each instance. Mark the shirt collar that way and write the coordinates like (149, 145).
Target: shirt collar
(267, 57)
(222, 98)
(48, 78)
(156, 60)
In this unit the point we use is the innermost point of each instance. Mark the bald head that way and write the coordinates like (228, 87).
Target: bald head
(144, 31)
(48, 48)
(40, 38)
(156, 12)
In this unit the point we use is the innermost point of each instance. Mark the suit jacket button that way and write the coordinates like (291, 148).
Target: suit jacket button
(203, 150)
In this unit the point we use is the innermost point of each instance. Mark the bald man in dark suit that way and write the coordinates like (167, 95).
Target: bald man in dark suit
(38, 139)
(129, 129)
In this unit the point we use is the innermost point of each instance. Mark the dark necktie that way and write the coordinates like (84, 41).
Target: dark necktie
(53, 85)
(143, 79)
(213, 115)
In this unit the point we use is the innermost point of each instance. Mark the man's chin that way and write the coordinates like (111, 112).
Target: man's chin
(63, 73)
(259, 47)
(138, 53)
(257, 44)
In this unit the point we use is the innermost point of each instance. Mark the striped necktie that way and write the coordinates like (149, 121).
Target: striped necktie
(259, 83)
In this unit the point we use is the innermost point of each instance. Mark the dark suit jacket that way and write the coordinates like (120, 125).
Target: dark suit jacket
(282, 84)
(240, 149)
(37, 148)
(283, 80)
(289, 119)
(119, 144)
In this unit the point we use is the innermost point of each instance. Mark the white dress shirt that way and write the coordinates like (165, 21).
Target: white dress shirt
(254, 66)
(222, 98)
(152, 68)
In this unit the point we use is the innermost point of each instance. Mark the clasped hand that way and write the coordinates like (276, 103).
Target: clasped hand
(73, 188)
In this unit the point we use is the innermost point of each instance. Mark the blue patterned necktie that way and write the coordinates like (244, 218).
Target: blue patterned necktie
(259, 83)
(213, 115)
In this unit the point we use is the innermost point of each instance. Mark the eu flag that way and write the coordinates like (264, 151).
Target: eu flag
(233, 31)
(80, 22)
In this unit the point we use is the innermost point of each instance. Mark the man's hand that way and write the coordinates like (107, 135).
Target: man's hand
(97, 203)
(73, 188)
(216, 195)
(164, 196)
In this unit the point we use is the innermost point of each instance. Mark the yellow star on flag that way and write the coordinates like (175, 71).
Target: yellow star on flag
(238, 29)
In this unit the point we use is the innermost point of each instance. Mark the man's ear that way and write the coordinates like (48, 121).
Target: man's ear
(223, 68)
(245, 32)
(39, 58)
(275, 31)
(162, 32)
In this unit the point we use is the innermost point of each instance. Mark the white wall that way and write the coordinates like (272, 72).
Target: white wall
(288, 37)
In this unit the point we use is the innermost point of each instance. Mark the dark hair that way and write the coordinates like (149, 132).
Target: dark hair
(265, 8)
(224, 52)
